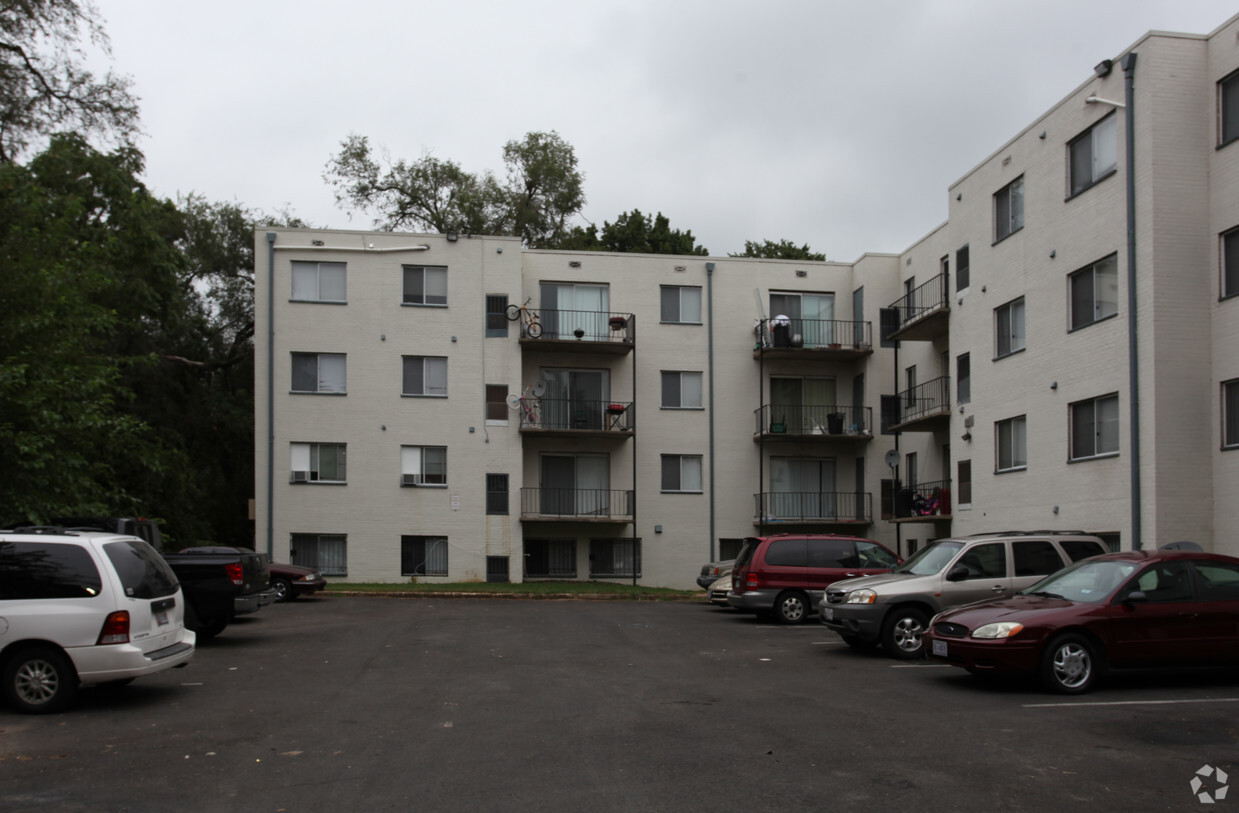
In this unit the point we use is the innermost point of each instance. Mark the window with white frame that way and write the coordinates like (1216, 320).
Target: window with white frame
(1094, 292)
(496, 315)
(682, 473)
(1009, 209)
(680, 305)
(318, 282)
(681, 390)
(326, 553)
(962, 273)
(1093, 155)
(425, 285)
(1011, 444)
(1095, 427)
(963, 486)
(497, 494)
(423, 555)
(424, 375)
(1230, 263)
(317, 462)
(497, 402)
(423, 465)
(1230, 414)
(319, 372)
(963, 378)
(1228, 109)
(1009, 328)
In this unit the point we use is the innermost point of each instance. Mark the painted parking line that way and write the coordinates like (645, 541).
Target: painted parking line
(827, 643)
(1132, 703)
(921, 666)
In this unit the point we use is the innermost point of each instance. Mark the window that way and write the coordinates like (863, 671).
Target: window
(961, 269)
(1095, 427)
(987, 561)
(497, 494)
(318, 282)
(1009, 328)
(1093, 155)
(1035, 557)
(318, 462)
(1230, 263)
(1230, 414)
(910, 469)
(1095, 292)
(326, 553)
(423, 465)
(811, 316)
(319, 372)
(963, 378)
(1228, 109)
(1012, 444)
(1009, 210)
(681, 390)
(497, 402)
(423, 555)
(681, 305)
(682, 473)
(614, 558)
(496, 315)
(425, 375)
(425, 285)
(1219, 581)
(550, 558)
(568, 307)
(964, 483)
(37, 570)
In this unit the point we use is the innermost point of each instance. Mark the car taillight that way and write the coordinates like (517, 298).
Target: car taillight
(235, 573)
(115, 629)
(750, 583)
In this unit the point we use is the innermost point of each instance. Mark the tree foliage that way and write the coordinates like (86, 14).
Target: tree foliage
(634, 232)
(782, 250)
(543, 190)
(44, 86)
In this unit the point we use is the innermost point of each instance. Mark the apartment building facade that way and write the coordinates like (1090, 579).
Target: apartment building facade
(643, 413)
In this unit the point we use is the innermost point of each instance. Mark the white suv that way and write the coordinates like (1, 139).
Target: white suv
(80, 608)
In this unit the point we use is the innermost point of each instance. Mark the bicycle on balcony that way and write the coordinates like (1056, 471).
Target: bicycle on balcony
(530, 325)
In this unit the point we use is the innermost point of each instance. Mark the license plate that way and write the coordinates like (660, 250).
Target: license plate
(830, 613)
(161, 617)
(940, 648)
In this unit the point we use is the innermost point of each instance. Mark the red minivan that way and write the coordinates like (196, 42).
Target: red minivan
(786, 574)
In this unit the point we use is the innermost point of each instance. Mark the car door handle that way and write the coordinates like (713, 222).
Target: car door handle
(998, 588)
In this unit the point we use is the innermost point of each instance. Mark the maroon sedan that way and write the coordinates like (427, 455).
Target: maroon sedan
(1129, 609)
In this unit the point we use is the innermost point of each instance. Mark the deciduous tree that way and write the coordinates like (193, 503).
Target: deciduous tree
(782, 250)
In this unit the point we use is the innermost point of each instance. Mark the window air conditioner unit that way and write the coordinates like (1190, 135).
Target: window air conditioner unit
(300, 477)
(411, 479)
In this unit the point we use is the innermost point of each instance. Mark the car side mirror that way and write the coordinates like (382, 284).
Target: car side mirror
(1136, 597)
(957, 574)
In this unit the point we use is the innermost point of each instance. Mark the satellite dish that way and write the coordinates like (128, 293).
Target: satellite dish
(539, 389)
(892, 458)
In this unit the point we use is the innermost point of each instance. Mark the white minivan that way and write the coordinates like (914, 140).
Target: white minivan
(80, 608)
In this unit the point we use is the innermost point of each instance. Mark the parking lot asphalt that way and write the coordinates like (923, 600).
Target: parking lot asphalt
(338, 703)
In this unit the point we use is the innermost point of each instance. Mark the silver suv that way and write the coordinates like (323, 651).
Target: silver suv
(894, 609)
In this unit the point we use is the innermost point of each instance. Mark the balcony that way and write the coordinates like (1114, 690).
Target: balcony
(562, 331)
(597, 505)
(829, 508)
(564, 417)
(923, 502)
(922, 314)
(924, 408)
(822, 339)
(813, 423)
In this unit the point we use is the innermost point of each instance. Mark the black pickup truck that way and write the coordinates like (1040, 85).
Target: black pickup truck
(218, 583)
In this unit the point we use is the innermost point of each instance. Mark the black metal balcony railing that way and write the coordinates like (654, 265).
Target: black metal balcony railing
(924, 299)
(931, 499)
(584, 503)
(584, 326)
(813, 419)
(814, 506)
(924, 400)
(564, 414)
(815, 334)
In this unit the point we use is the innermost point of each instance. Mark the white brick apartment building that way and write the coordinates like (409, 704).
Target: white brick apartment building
(992, 361)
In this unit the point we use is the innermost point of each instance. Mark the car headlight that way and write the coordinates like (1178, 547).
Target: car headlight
(861, 597)
(1001, 629)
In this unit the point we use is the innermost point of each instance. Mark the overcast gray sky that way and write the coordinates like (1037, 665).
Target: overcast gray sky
(835, 124)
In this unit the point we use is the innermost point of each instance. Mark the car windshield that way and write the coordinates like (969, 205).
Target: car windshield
(930, 560)
(1088, 581)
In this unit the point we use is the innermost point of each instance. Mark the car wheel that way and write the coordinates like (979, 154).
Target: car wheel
(859, 644)
(40, 680)
(283, 590)
(1070, 665)
(901, 634)
(791, 607)
(203, 628)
